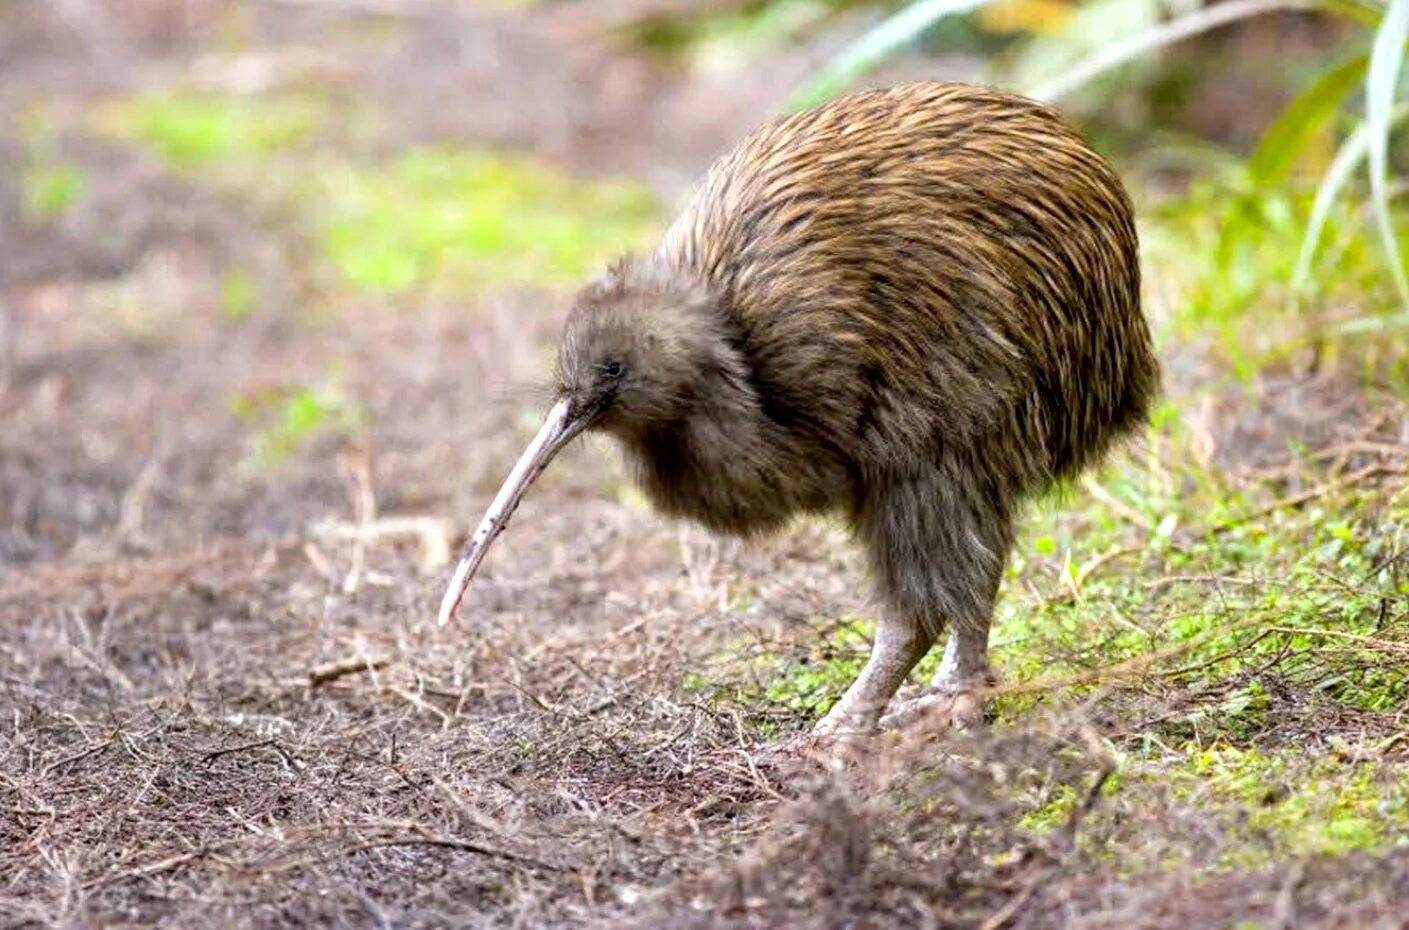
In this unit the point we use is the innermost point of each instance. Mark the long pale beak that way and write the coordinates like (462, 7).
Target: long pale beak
(557, 431)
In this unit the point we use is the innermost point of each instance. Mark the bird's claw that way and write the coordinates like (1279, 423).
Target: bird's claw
(956, 706)
(828, 745)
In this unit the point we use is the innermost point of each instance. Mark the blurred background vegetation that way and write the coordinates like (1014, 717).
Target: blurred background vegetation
(1259, 135)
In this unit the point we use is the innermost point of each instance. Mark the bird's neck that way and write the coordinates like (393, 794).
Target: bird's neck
(726, 464)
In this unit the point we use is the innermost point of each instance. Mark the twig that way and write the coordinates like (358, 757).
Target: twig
(1167, 580)
(1284, 911)
(1182, 28)
(344, 667)
(319, 560)
(1088, 803)
(1127, 669)
(421, 704)
(1221, 657)
(77, 756)
(1110, 500)
(145, 871)
(410, 833)
(133, 511)
(357, 466)
(1390, 742)
(1321, 490)
(273, 744)
(1008, 911)
(459, 845)
(1385, 644)
(538, 701)
(1110, 555)
(434, 534)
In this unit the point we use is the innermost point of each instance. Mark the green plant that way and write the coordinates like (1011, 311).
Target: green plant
(465, 219)
(48, 188)
(285, 421)
(1087, 47)
(195, 130)
(238, 293)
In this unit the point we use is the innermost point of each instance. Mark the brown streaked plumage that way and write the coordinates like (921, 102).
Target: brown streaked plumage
(911, 307)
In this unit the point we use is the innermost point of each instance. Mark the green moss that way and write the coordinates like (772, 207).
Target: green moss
(238, 293)
(1288, 805)
(1053, 804)
(49, 188)
(195, 130)
(49, 183)
(1052, 814)
(452, 221)
(283, 422)
(467, 221)
(1198, 574)
(813, 683)
(1232, 246)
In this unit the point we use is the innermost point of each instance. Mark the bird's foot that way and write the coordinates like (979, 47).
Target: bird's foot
(834, 741)
(805, 750)
(953, 704)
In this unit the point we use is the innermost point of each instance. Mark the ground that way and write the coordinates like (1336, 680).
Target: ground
(282, 282)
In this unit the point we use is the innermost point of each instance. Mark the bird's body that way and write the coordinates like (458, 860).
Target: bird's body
(913, 273)
(910, 307)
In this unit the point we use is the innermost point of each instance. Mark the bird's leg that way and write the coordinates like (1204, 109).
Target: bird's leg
(898, 646)
(953, 690)
(965, 662)
(938, 542)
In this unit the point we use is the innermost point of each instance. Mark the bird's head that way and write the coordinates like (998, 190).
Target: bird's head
(641, 346)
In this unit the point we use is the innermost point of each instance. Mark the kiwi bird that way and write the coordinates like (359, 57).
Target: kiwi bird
(911, 308)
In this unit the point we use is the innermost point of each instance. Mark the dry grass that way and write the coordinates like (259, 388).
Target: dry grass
(223, 701)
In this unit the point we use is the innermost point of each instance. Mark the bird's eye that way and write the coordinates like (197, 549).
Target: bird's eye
(612, 368)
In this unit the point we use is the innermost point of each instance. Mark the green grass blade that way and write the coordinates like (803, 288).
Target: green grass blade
(1386, 59)
(1312, 110)
(1347, 159)
(875, 46)
(1094, 25)
(1364, 12)
(1176, 30)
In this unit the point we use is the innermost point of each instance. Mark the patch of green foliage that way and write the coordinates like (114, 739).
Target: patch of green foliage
(48, 188)
(813, 682)
(1151, 571)
(454, 221)
(238, 293)
(467, 221)
(192, 130)
(49, 183)
(1266, 805)
(1056, 803)
(1235, 244)
(733, 33)
(1287, 805)
(285, 421)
